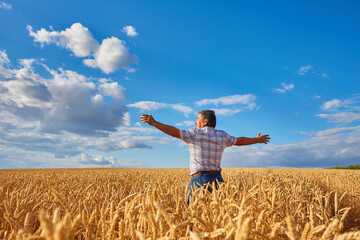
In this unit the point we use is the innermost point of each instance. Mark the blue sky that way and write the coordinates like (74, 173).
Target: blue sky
(75, 76)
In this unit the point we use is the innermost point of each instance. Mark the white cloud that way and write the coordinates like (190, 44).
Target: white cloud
(68, 101)
(340, 117)
(181, 108)
(304, 69)
(225, 111)
(333, 131)
(111, 55)
(114, 90)
(16, 133)
(332, 149)
(84, 158)
(341, 111)
(324, 75)
(77, 39)
(186, 123)
(130, 31)
(285, 88)
(247, 99)
(127, 119)
(82, 109)
(108, 161)
(148, 105)
(4, 62)
(22, 89)
(334, 104)
(18, 158)
(49, 122)
(131, 70)
(151, 106)
(27, 63)
(5, 6)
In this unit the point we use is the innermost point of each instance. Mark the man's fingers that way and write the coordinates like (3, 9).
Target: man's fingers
(147, 118)
(144, 118)
(263, 138)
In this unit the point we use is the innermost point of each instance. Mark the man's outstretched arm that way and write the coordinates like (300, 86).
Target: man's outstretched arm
(169, 130)
(248, 141)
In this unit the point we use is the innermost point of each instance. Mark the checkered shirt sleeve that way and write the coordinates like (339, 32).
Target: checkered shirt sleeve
(206, 147)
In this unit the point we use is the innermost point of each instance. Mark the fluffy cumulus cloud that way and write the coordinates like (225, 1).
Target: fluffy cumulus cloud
(333, 147)
(63, 115)
(285, 88)
(130, 31)
(5, 6)
(340, 111)
(78, 39)
(151, 106)
(113, 89)
(66, 102)
(111, 55)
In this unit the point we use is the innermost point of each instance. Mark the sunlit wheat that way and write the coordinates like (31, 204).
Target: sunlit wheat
(151, 204)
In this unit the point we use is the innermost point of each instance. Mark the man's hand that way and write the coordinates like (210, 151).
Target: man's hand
(263, 138)
(147, 118)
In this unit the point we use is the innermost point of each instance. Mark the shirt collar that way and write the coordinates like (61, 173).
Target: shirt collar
(207, 127)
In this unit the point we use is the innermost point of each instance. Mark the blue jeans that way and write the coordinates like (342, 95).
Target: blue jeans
(202, 179)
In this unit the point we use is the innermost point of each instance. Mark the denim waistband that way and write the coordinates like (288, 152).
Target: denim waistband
(217, 174)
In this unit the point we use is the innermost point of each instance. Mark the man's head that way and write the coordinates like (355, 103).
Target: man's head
(206, 118)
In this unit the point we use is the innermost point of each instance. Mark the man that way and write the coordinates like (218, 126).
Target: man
(206, 146)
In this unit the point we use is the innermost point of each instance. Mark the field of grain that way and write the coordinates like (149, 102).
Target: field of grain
(151, 204)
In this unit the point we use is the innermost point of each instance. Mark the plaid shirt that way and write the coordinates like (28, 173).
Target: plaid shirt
(206, 147)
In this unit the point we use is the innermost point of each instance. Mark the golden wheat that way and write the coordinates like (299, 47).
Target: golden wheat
(151, 204)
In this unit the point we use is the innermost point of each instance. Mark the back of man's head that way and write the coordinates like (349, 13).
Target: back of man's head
(209, 116)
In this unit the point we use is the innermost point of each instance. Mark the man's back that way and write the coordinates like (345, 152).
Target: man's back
(206, 146)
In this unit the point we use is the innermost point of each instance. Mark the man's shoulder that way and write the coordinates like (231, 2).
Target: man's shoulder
(191, 130)
(223, 134)
(220, 131)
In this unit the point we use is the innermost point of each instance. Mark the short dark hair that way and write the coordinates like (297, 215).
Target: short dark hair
(209, 115)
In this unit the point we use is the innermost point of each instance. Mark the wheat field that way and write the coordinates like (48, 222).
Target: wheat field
(260, 203)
